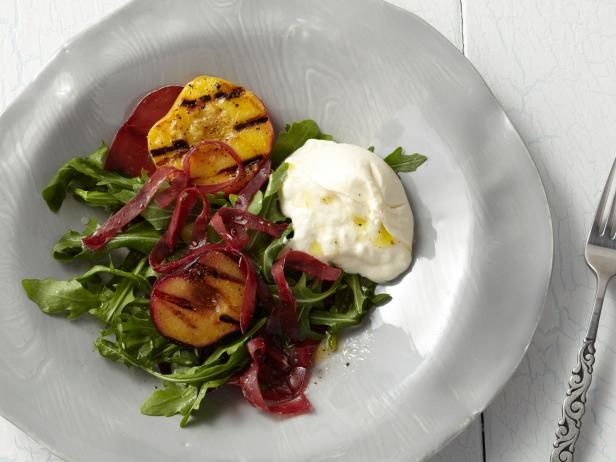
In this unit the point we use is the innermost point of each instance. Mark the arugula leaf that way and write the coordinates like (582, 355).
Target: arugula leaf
(98, 198)
(271, 253)
(304, 322)
(204, 373)
(61, 297)
(380, 299)
(122, 296)
(69, 246)
(115, 352)
(223, 362)
(203, 389)
(401, 162)
(293, 138)
(310, 298)
(275, 180)
(359, 297)
(335, 321)
(236, 361)
(256, 203)
(136, 335)
(156, 216)
(135, 278)
(268, 208)
(234, 346)
(305, 295)
(88, 170)
(271, 210)
(179, 399)
(353, 300)
(140, 237)
(55, 191)
(91, 168)
(171, 400)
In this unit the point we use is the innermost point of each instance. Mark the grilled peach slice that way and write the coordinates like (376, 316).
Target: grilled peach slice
(129, 150)
(201, 304)
(210, 108)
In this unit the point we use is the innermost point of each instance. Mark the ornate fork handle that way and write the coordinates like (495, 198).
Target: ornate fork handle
(574, 405)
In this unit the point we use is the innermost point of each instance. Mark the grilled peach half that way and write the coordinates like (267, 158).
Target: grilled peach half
(211, 108)
(201, 304)
(129, 153)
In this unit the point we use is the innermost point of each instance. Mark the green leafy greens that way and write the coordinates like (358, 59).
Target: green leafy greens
(116, 288)
(401, 162)
(293, 137)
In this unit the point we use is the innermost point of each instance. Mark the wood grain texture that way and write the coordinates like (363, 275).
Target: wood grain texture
(551, 64)
(28, 41)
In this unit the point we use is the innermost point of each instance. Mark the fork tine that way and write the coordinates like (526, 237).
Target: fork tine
(603, 203)
(610, 227)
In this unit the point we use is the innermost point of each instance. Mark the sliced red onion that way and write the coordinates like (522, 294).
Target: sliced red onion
(265, 295)
(250, 293)
(301, 261)
(298, 405)
(179, 182)
(210, 144)
(283, 319)
(129, 212)
(156, 260)
(249, 380)
(274, 382)
(232, 226)
(185, 203)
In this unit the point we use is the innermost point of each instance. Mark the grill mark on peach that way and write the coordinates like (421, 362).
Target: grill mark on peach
(224, 276)
(203, 297)
(177, 154)
(247, 164)
(229, 320)
(179, 312)
(196, 273)
(199, 270)
(177, 301)
(251, 122)
(177, 144)
(234, 93)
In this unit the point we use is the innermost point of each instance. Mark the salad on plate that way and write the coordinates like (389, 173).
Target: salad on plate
(229, 254)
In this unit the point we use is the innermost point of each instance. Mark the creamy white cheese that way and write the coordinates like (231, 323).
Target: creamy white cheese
(348, 208)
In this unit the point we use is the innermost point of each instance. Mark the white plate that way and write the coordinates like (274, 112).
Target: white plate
(370, 74)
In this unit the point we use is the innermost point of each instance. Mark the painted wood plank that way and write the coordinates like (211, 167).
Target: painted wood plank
(551, 63)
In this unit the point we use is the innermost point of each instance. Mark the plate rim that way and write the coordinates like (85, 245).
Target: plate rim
(550, 225)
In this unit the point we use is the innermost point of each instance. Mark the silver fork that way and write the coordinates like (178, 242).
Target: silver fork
(601, 257)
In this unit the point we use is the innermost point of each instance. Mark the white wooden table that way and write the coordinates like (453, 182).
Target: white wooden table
(552, 65)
